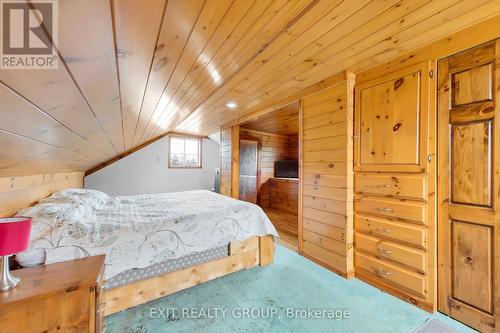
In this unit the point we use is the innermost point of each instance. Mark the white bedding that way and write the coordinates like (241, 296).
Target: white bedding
(138, 231)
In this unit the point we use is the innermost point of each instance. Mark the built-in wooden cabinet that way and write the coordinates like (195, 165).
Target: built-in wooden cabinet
(326, 195)
(391, 121)
(394, 184)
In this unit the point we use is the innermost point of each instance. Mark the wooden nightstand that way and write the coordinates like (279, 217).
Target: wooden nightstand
(60, 297)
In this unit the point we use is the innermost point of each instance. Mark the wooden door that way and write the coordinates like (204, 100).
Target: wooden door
(391, 122)
(249, 166)
(469, 158)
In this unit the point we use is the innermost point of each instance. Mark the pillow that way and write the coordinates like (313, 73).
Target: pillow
(55, 222)
(91, 198)
(51, 212)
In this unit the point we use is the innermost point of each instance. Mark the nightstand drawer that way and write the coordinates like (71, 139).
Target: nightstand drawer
(392, 251)
(397, 208)
(407, 186)
(398, 231)
(391, 274)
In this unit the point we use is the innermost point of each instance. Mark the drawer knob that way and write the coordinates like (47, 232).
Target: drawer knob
(386, 185)
(383, 230)
(382, 272)
(384, 251)
(384, 209)
(331, 165)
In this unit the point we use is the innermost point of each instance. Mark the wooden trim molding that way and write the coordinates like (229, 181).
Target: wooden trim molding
(123, 155)
(145, 144)
(235, 154)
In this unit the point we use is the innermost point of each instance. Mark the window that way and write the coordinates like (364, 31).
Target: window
(185, 152)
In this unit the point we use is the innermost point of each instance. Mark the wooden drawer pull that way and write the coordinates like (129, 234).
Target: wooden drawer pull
(385, 185)
(386, 210)
(384, 251)
(331, 165)
(382, 272)
(383, 230)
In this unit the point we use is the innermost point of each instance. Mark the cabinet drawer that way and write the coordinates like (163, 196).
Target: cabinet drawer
(398, 208)
(409, 186)
(385, 249)
(391, 273)
(398, 231)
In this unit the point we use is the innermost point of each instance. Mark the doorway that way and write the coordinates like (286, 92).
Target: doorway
(249, 169)
(274, 185)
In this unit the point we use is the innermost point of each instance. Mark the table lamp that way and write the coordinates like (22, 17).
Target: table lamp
(14, 238)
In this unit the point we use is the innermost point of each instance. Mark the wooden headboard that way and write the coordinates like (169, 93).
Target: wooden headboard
(17, 193)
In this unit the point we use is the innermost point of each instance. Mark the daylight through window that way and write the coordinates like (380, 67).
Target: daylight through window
(185, 152)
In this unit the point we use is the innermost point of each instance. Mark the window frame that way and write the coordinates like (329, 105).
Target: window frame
(185, 137)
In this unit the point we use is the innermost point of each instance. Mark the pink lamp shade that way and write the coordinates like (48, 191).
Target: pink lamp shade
(14, 235)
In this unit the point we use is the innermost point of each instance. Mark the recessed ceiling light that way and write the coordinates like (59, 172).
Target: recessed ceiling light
(231, 105)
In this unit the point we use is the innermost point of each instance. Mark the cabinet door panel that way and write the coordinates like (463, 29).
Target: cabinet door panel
(391, 121)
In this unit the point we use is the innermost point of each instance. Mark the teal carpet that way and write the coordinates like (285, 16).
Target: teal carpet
(277, 298)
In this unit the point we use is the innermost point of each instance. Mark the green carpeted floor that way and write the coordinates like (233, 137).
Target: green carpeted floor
(278, 299)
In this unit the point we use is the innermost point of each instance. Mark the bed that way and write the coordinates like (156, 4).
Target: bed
(155, 244)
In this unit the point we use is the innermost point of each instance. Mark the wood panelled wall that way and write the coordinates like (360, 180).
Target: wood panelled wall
(225, 162)
(326, 226)
(17, 193)
(284, 194)
(274, 147)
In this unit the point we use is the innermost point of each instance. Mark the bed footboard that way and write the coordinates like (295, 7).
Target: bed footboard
(242, 255)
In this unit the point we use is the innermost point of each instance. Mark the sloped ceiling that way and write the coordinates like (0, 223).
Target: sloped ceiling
(284, 121)
(132, 70)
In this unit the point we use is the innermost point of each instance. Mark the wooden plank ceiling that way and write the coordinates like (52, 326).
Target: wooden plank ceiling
(131, 70)
(284, 121)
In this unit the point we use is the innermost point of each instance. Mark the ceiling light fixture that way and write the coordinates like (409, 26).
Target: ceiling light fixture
(231, 105)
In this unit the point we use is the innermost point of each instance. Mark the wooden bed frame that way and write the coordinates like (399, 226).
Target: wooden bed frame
(242, 255)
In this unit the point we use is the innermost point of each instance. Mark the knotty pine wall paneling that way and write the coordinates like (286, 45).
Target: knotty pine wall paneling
(284, 195)
(20, 192)
(327, 177)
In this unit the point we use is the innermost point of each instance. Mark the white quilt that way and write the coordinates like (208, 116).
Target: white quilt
(138, 231)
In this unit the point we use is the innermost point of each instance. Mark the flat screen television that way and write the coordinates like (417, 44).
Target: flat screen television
(286, 169)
